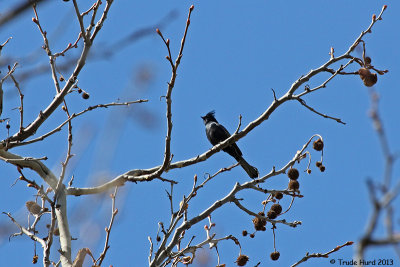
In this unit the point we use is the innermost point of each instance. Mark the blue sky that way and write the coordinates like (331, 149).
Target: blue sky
(235, 53)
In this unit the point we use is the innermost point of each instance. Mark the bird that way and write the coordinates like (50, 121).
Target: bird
(217, 133)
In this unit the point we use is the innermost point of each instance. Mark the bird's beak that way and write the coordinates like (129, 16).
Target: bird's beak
(202, 117)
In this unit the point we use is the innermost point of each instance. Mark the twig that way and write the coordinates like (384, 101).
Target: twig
(10, 71)
(106, 51)
(69, 148)
(74, 115)
(58, 99)
(69, 46)
(324, 255)
(21, 107)
(25, 231)
(170, 198)
(240, 206)
(239, 124)
(171, 84)
(100, 22)
(114, 212)
(49, 242)
(323, 85)
(273, 106)
(230, 197)
(47, 49)
(301, 101)
(209, 177)
(151, 249)
(3, 44)
(95, 8)
(80, 20)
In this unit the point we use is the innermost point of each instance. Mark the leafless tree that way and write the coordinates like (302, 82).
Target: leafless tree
(175, 241)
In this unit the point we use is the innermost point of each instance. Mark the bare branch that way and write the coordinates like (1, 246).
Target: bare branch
(240, 206)
(74, 115)
(301, 101)
(171, 84)
(25, 231)
(3, 44)
(163, 252)
(114, 212)
(99, 24)
(47, 49)
(80, 20)
(324, 255)
(21, 107)
(59, 98)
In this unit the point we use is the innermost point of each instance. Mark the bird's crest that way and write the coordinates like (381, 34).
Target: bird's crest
(210, 114)
(209, 117)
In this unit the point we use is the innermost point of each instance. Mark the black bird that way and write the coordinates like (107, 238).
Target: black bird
(217, 133)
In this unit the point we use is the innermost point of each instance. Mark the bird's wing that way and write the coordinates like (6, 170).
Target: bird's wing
(217, 133)
(220, 133)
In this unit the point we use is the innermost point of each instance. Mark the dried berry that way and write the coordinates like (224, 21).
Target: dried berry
(278, 195)
(318, 164)
(293, 174)
(242, 260)
(318, 144)
(244, 233)
(294, 185)
(259, 223)
(368, 60)
(308, 171)
(368, 78)
(275, 255)
(35, 259)
(85, 95)
(251, 235)
(322, 168)
(271, 214)
(277, 208)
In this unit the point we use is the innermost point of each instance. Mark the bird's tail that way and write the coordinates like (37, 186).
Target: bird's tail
(251, 171)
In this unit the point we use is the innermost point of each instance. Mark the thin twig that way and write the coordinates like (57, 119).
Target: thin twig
(25, 231)
(114, 212)
(46, 47)
(171, 84)
(80, 20)
(3, 44)
(324, 255)
(74, 115)
(21, 107)
(293, 224)
(301, 101)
